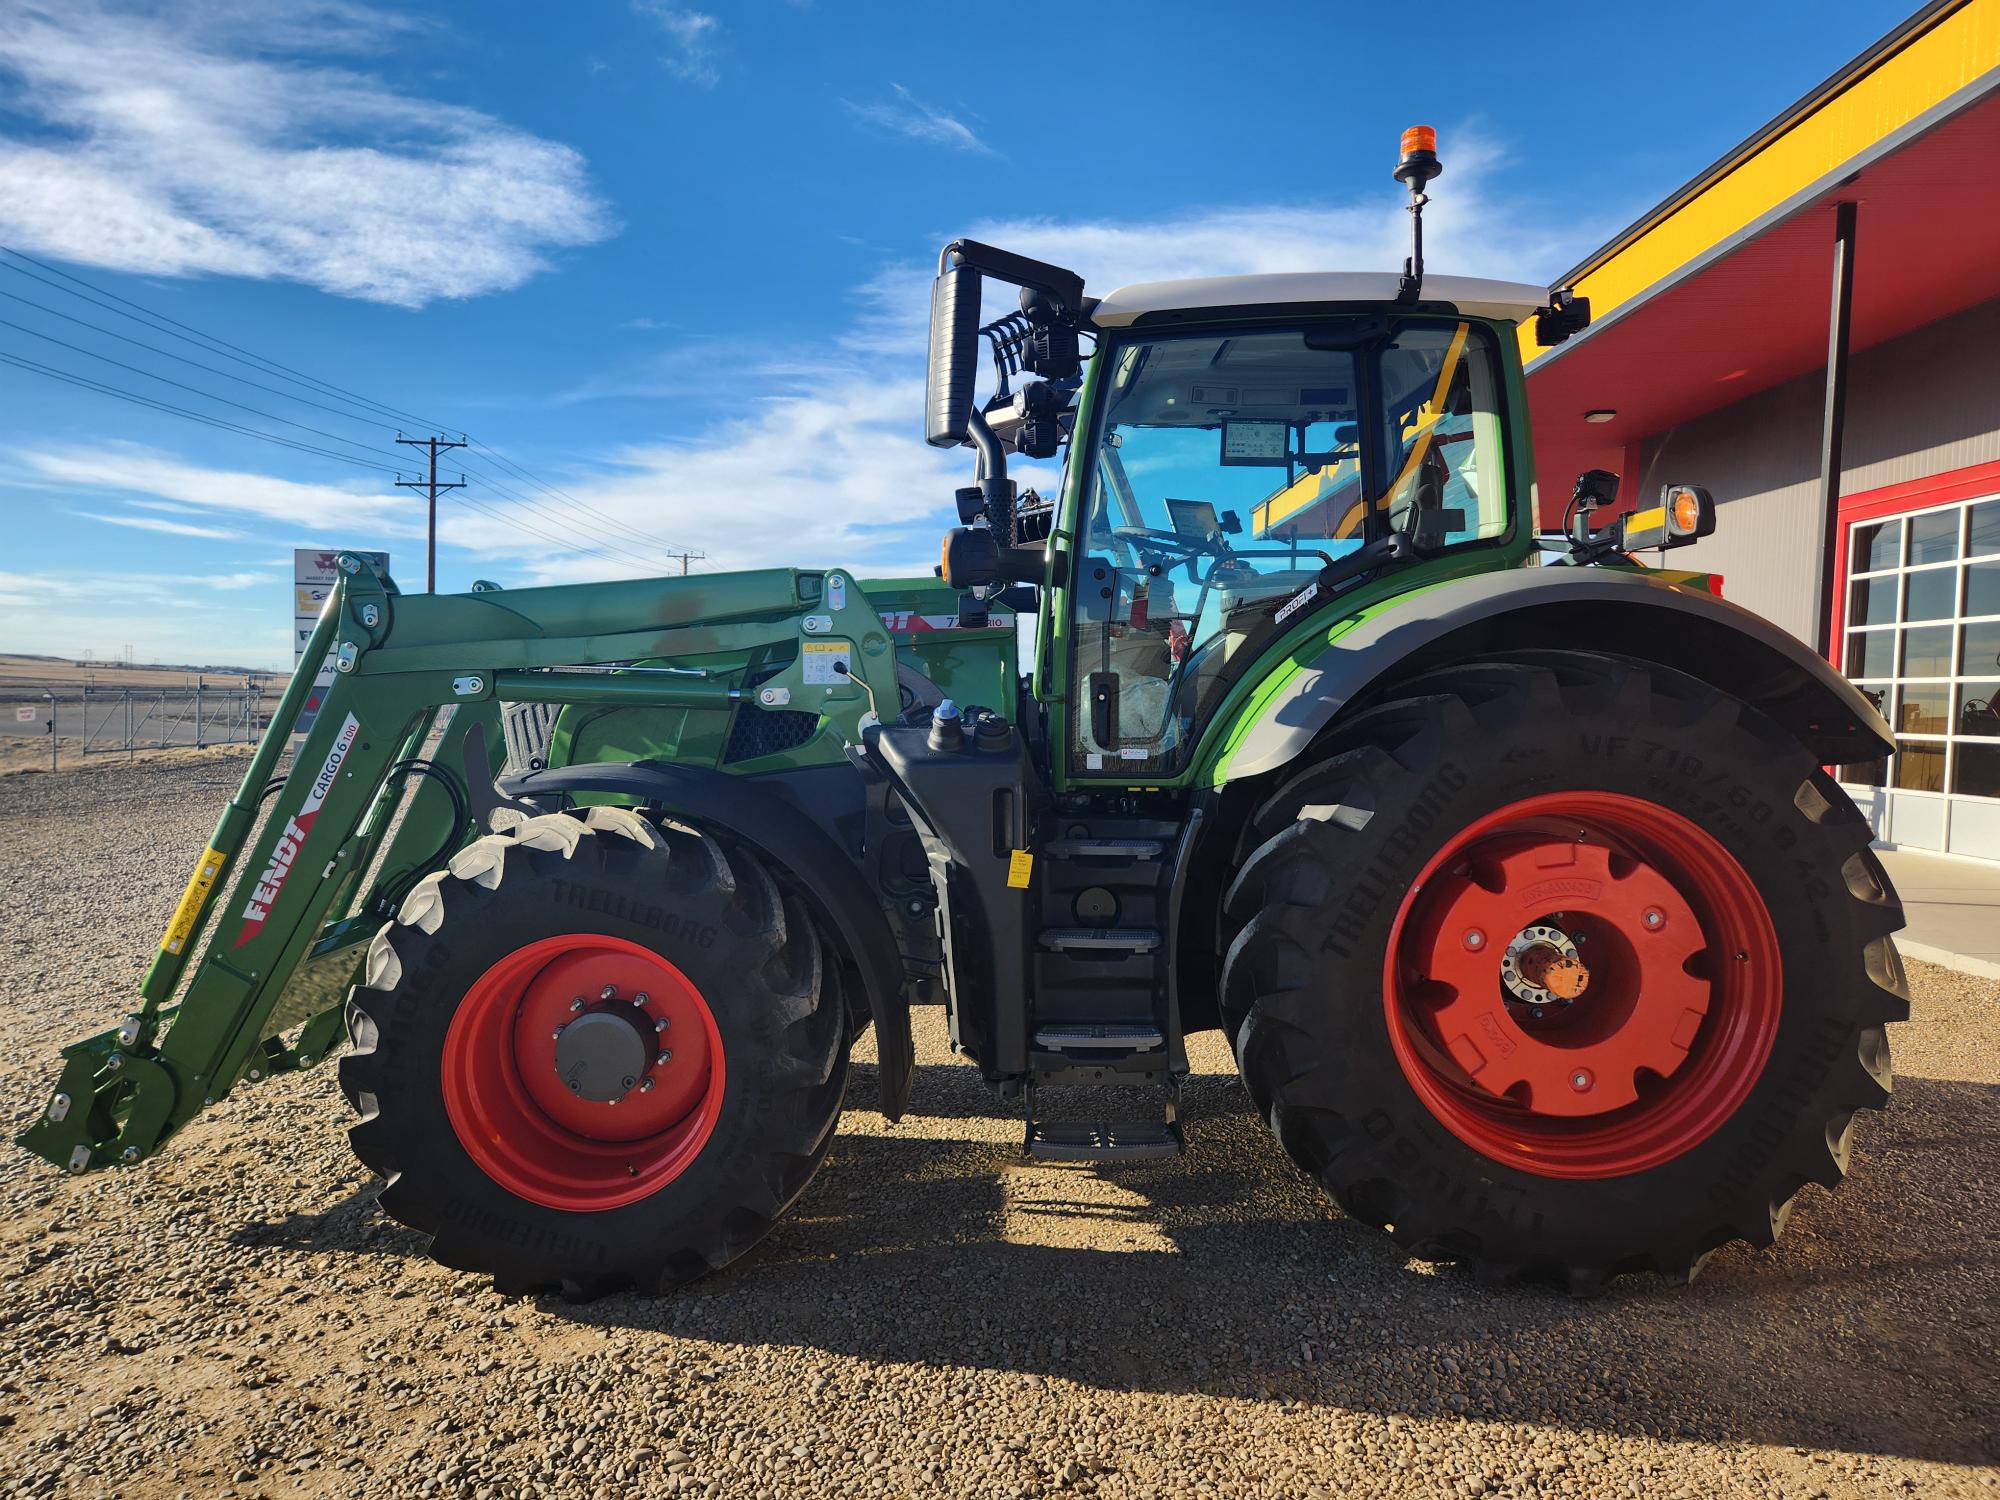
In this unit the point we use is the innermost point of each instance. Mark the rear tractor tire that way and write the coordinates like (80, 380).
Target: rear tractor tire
(1564, 966)
(595, 1052)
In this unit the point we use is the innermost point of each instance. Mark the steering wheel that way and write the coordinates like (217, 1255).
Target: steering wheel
(1169, 548)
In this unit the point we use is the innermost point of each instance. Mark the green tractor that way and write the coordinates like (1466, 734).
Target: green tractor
(1511, 869)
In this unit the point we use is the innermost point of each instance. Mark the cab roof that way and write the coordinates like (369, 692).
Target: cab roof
(1475, 296)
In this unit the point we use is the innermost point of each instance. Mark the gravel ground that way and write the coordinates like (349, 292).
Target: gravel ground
(934, 1317)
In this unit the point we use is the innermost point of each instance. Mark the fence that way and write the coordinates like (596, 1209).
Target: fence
(128, 719)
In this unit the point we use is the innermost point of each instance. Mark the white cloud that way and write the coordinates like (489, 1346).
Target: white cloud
(221, 140)
(1470, 229)
(908, 115)
(694, 35)
(154, 523)
(156, 479)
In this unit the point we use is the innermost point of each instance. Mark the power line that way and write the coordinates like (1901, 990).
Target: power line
(348, 413)
(111, 333)
(514, 468)
(648, 554)
(191, 389)
(610, 534)
(595, 543)
(189, 333)
(567, 544)
(180, 411)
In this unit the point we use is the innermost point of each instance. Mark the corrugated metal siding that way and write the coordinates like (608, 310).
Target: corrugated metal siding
(1925, 403)
(1921, 404)
(1761, 460)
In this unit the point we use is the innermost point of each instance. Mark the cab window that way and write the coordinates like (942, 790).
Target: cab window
(1224, 471)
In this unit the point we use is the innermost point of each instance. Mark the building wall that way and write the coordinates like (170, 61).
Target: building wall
(1917, 405)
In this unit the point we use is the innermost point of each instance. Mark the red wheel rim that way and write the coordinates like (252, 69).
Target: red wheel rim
(1662, 938)
(511, 1109)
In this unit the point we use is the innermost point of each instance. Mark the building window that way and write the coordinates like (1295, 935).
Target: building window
(1922, 641)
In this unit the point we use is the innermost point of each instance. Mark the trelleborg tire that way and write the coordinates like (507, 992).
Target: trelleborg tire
(1564, 965)
(695, 1096)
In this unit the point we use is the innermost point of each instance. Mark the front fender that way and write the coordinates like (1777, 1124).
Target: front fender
(1651, 616)
(809, 857)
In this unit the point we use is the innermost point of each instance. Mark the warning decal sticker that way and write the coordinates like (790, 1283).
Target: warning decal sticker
(817, 661)
(192, 900)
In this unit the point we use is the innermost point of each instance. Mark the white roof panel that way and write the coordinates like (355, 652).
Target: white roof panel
(1475, 296)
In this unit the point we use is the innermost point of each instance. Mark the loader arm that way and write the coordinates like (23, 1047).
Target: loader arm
(380, 793)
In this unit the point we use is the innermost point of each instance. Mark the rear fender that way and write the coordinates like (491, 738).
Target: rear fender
(807, 854)
(1651, 616)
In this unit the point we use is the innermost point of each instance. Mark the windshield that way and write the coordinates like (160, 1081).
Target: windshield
(1226, 470)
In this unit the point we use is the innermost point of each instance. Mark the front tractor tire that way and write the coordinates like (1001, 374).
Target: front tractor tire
(1563, 966)
(593, 1053)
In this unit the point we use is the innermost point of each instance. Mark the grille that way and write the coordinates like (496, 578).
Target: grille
(765, 731)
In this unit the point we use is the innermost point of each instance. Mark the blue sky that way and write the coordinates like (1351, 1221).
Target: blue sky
(671, 259)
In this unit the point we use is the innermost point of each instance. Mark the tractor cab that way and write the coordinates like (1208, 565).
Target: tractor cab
(1241, 451)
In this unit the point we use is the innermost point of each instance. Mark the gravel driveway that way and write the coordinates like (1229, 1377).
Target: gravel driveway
(934, 1317)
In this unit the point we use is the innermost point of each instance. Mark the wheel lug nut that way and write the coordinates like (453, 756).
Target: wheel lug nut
(609, 992)
(662, 1024)
(1474, 939)
(1580, 1080)
(576, 1004)
(665, 1056)
(1654, 919)
(646, 1087)
(641, 999)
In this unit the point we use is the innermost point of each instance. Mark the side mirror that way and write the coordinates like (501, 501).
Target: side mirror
(954, 359)
(1685, 514)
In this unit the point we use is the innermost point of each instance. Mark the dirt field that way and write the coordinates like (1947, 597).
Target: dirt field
(21, 754)
(39, 673)
(935, 1317)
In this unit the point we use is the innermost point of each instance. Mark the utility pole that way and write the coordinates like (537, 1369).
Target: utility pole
(435, 446)
(686, 558)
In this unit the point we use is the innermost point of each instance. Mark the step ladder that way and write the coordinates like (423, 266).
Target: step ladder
(1104, 1052)
(1115, 1123)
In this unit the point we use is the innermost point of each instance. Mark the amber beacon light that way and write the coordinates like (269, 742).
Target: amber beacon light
(1420, 159)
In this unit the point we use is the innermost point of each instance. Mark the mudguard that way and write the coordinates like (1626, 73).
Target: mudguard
(1657, 617)
(809, 855)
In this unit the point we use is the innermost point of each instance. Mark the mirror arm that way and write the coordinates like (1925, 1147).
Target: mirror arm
(994, 485)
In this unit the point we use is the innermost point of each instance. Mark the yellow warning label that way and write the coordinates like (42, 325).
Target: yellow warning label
(192, 900)
(819, 659)
(1020, 865)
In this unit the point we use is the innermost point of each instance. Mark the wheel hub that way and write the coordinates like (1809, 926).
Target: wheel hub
(605, 1053)
(1532, 1023)
(1542, 967)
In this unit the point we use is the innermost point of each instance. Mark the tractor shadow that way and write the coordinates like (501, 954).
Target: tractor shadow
(1226, 1273)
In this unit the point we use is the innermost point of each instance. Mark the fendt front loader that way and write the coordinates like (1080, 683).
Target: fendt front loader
(1512, 869)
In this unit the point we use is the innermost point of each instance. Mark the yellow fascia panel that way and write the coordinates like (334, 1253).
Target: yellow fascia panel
(1930, 68)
